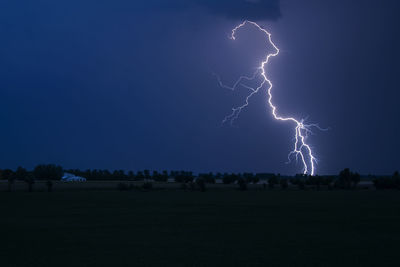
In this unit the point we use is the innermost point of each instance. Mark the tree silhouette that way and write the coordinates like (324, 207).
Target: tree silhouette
(9, 175)
(30, 180)
(284, 183)
(396, 179)
(146, 174)
(272, 181)
(201, 184)
(242, 184)
(49, 185)
(21, 173)
(347, 179)
(48, 172)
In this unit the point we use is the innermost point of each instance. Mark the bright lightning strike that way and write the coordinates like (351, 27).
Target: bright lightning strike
(301, 149)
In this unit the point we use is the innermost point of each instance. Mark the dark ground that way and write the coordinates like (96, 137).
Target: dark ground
(215, 228)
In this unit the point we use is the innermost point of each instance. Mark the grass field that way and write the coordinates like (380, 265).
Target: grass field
(215, 228)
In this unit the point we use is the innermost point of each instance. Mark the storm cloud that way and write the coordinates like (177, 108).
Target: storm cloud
(233, 9)
(244, 9)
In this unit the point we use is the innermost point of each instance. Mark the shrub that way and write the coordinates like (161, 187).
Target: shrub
(284, 183)
(207, 177)
(392, 182)
(9, 175)
(300, 184)
(123, 187)
(272, 181)
(242, 184)
(264, 186)
(147, 186)
(201, 184)
(30, 180)
(192, 186)
(184, 186)
(229, 178)
(49, 185)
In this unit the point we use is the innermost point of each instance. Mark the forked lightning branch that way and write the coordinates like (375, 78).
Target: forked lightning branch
(301, 149)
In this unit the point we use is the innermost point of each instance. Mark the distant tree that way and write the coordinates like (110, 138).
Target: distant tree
(160, 177)
(387, 182)
(183, 177)
(139, 176)
(21, 173)
(301, 180)
(229, 178)
(301, 184)
(119, 175)
(146, 174)
(9, 175)
(49, 185)
(184, 186)
(191, 185)
(355, 179)
(88, 174)
(30, 180)
(123, 186)
(396, 179)
(249, 177)
(107, 175)
(284, 183)
(147, 186)
(347, 179)
(211, 178)
(131, 175)
(207, 177)
(201, 183)
(156, 176)
(242, 184)
(327, 181)
(377, 182)
(189, 176)
(165, 175)
(272, 181)
(96, 175)
(315, 181)
(48, 172)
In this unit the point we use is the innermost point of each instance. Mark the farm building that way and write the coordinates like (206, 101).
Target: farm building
(69, 177)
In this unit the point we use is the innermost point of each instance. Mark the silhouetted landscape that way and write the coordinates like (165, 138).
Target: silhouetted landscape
(156, 218)
(199, 133)
(50, 176)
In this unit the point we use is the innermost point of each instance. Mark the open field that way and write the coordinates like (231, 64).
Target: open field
(214, 228)
(112, 185)
(109, 185)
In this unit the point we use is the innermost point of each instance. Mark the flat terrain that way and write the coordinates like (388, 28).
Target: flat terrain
(215, 228)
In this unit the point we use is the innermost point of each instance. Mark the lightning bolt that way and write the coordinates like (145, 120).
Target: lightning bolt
(301, 149)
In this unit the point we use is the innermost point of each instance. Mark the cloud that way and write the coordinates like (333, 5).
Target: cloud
(244, 9)
(232, 9)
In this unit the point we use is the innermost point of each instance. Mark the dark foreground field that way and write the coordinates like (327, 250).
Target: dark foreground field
(215, 228)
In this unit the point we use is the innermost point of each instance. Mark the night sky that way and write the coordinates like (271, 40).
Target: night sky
(129, 84)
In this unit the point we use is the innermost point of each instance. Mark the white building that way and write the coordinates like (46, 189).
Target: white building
(69, 177)
(219, 181)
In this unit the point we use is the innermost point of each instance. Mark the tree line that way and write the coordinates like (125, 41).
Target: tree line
(346, 179)
(46, 172)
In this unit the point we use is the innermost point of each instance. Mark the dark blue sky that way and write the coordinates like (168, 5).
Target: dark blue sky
(127, 85)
